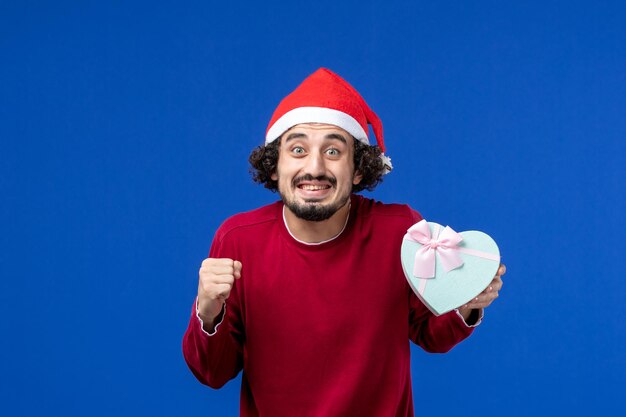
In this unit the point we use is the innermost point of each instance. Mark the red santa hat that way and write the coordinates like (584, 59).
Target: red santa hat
(325, 97)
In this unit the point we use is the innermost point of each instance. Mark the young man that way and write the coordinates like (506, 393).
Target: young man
(307, 295)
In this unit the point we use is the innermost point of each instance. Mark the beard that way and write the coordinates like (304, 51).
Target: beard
(311, 210)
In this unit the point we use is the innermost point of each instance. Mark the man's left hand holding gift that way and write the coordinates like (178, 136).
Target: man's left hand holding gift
(485, 298)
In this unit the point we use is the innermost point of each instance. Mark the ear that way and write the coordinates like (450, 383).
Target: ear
(357, 178)
(274, 176)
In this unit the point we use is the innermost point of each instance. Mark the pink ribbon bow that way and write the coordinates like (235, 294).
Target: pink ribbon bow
(445, 245)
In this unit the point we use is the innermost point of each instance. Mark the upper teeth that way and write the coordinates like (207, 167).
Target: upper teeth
(310, 187)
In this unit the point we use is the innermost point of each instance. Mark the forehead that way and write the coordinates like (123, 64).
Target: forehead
(318, 129)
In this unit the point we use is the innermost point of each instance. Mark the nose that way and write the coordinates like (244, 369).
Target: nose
(315, 165)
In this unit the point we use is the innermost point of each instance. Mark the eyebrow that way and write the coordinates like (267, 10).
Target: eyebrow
(335, 136)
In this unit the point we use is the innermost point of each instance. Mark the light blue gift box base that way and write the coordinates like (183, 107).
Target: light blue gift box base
(450, 290)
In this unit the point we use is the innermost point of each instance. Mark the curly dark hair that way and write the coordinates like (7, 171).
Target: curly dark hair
(367, 162)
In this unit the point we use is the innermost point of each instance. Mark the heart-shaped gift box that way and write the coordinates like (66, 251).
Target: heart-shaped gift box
(447, 269)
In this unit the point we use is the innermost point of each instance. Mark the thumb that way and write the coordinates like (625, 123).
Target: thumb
(237, 267)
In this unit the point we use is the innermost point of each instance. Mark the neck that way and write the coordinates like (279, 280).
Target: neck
(316, 232)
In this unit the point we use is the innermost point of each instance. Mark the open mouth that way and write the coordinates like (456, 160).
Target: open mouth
(313, 192)
(314, 188)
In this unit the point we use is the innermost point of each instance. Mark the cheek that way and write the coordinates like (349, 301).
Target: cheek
(286, 168)
(349, 175)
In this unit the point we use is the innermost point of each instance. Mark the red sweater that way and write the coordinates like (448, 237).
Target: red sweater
(319, 330)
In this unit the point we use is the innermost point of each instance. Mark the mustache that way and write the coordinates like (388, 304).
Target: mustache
(309, 177)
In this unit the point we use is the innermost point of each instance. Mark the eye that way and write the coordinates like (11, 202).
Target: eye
(332, 152)
(298, 150)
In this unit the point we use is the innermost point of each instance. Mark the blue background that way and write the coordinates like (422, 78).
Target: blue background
(125, 129)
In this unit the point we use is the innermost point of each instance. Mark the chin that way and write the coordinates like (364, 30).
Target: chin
(313, 213)
(314, 210)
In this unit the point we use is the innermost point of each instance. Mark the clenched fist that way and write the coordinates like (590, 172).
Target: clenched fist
(216, 279)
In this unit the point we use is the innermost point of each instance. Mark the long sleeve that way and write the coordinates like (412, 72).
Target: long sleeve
(436, 334)
(217, 358)
(214, 359)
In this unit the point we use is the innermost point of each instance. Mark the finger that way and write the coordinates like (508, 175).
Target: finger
(218, 269)
(476, 305)
(221, 279)
(217, 262)
(217, 266)
(470, 304)
(237, 269)
(464, 307)
(496, 284)
(501, 270)
(207, 282)
(483, 299)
